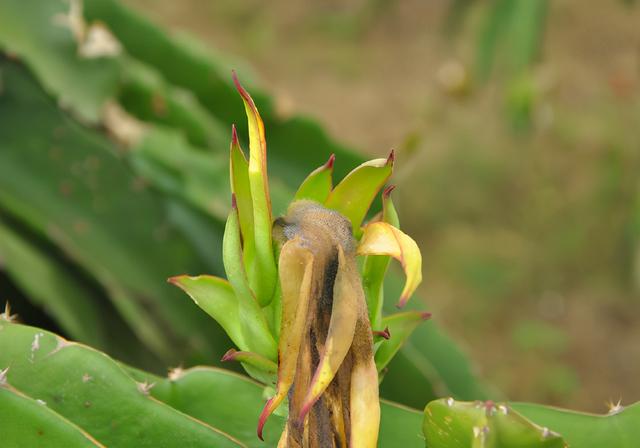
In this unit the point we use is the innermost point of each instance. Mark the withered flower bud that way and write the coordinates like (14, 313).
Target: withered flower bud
(326, 364)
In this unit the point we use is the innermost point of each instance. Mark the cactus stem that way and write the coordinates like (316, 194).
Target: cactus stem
(35, 345)
(60, 344)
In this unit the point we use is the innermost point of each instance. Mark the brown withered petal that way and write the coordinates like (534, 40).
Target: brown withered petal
(296, 264)
(342, 326)
(326, 364)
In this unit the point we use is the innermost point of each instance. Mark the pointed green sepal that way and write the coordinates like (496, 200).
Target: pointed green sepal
(253, 323)
(216, 297)
(317, 186)
(262, 273)
(354, 194)
(240, 187)
(389, 213)
(399, 326)
(253, 359)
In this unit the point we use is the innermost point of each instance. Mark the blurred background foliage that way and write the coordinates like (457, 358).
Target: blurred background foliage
(516, 129)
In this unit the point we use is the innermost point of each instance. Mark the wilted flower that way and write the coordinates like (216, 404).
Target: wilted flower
(310, 321)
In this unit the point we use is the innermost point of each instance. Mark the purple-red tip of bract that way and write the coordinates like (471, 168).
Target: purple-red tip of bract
(305, 410)
(234, 203)
(387, 191)
(263, 418)
(386, 334)
(425, 315)
(330, 162)
(241, 90)
(489, 405)
(392, 157)
(230, 355)
(234, 135)
(174, 280)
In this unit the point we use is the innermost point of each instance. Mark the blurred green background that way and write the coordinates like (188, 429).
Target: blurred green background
(517, 130)
(517, 127)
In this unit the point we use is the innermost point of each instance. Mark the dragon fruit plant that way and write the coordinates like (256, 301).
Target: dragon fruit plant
(303, 297)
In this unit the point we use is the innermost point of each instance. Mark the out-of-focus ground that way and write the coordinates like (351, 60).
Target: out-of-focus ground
(531, 237)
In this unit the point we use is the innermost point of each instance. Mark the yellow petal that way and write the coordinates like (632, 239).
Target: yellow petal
(381, 238)
(365, 404)
(347, 298)
(296, 268)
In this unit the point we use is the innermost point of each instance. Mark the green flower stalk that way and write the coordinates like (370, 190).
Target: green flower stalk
(302, 313)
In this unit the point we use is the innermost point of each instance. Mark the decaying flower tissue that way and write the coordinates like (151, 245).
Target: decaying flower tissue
(295, 303)
(326, 346)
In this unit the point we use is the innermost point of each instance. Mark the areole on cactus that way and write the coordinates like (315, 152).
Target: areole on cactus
(297, 304)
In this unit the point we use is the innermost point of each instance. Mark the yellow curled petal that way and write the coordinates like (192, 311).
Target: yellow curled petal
(381, 238)
(365, 404)
(296, 269)
(347, 296)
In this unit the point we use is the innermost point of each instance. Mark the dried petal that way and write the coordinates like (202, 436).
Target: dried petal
(296, 268)
(347, 292)
(365, 405)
